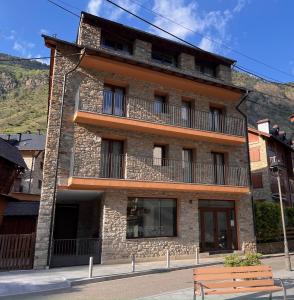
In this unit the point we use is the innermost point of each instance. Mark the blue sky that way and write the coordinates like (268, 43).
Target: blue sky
(262, 29)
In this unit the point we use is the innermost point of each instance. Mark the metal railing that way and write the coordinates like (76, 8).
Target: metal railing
(166, 170)
(75, 247)
(163, 113)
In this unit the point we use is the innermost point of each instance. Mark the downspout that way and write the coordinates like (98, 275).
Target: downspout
(83, 52)
(243, 99)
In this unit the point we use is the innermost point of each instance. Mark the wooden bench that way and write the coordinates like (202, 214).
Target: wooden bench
(232, 280)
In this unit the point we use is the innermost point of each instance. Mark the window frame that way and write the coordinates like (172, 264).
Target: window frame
(175, 218)
(127, 46)
(113, 88)
(164, 154)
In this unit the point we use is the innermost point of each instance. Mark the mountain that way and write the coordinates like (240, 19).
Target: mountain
(23, 95)
(268, 101)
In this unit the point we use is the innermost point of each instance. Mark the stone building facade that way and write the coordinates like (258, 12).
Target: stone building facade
(152, 150)
(267, 145)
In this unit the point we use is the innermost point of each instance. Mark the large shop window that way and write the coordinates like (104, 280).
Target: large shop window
(149, 217)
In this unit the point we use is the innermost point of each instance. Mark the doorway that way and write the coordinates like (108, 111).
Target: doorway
(217, 226)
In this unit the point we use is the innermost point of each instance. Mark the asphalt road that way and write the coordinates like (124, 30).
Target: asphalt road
(131, 288)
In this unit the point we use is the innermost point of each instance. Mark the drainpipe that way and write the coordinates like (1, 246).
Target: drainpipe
(243, 99)
(83, 52)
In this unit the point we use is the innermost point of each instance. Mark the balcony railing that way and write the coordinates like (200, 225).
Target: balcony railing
(163, 170)
(166, 114)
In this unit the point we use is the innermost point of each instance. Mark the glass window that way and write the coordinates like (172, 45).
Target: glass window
(150, 217)
(112, 159)
(207, 68)
(163, 58)
(186, 113)
(159, 155)
(117, 45)
(160, 105)
(216, 119)
(113, 100)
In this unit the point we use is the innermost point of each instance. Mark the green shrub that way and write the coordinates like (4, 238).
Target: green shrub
(267, 221)
(289, 214)
(235, 260)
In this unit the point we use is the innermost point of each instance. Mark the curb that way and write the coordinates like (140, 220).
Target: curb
(136, 274)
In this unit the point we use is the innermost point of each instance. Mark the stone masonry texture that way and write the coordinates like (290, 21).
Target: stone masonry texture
(80, 152)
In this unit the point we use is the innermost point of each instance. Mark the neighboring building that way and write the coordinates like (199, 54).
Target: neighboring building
(152, 155)
(11, 165)
(266, 145)
(28, 185)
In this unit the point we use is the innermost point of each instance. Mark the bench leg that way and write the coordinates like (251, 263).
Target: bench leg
(270, 296)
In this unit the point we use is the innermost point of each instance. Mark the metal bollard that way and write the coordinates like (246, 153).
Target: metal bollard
(167, 259)
(91, 267)
(197, 256)
(133, 263)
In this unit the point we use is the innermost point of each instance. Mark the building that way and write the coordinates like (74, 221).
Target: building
(267, 145)
(150, 150)
(27, 186)
(11, 165)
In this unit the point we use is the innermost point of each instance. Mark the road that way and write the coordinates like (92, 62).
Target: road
(132, 288)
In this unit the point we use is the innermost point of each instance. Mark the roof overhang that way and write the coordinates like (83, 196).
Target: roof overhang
(52, 42)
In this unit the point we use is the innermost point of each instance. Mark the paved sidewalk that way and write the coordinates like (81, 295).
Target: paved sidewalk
(22, 282)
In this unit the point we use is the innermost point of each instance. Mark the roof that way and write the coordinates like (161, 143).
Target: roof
(26, 141)
(11, 153)
(282, 140)
(22, 208)
(53, 42)
(134, 33)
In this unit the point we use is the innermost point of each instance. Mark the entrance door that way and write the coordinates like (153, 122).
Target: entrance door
(218, 230)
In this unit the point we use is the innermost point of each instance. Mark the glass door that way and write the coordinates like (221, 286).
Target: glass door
(218, 231)
(187, 164)
(113, 100)
(112, 159)
(218, 160)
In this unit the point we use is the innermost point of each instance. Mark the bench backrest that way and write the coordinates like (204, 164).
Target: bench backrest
(233, 277)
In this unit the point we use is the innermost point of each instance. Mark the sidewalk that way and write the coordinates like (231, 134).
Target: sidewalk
(30, 281)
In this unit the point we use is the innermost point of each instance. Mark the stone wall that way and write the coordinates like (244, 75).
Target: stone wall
(274, 247)
(46, 211)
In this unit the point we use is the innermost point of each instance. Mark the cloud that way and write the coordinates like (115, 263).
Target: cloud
(105, 9)
(43, 60)
(211, 25)
(94, 6)
(23, 47)
(44, 31)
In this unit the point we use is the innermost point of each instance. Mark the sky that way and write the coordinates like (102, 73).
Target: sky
(260, 29)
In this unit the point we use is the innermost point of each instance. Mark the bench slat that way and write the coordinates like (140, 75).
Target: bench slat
(240, 275)
(231, 284)
(216, 270)
(243, 290)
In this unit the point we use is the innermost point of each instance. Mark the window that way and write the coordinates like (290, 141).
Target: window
(216, 119)
(254, 154)
(116, 44)
(257, 180)
(160, 104)
(113, 100)
(218, 160)
(187, 163)
(186, 113)
(41, 165)
(164, 58)
(159, 155)
(39, 184)
(207, 69)
(112, 159)
(150, 217)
